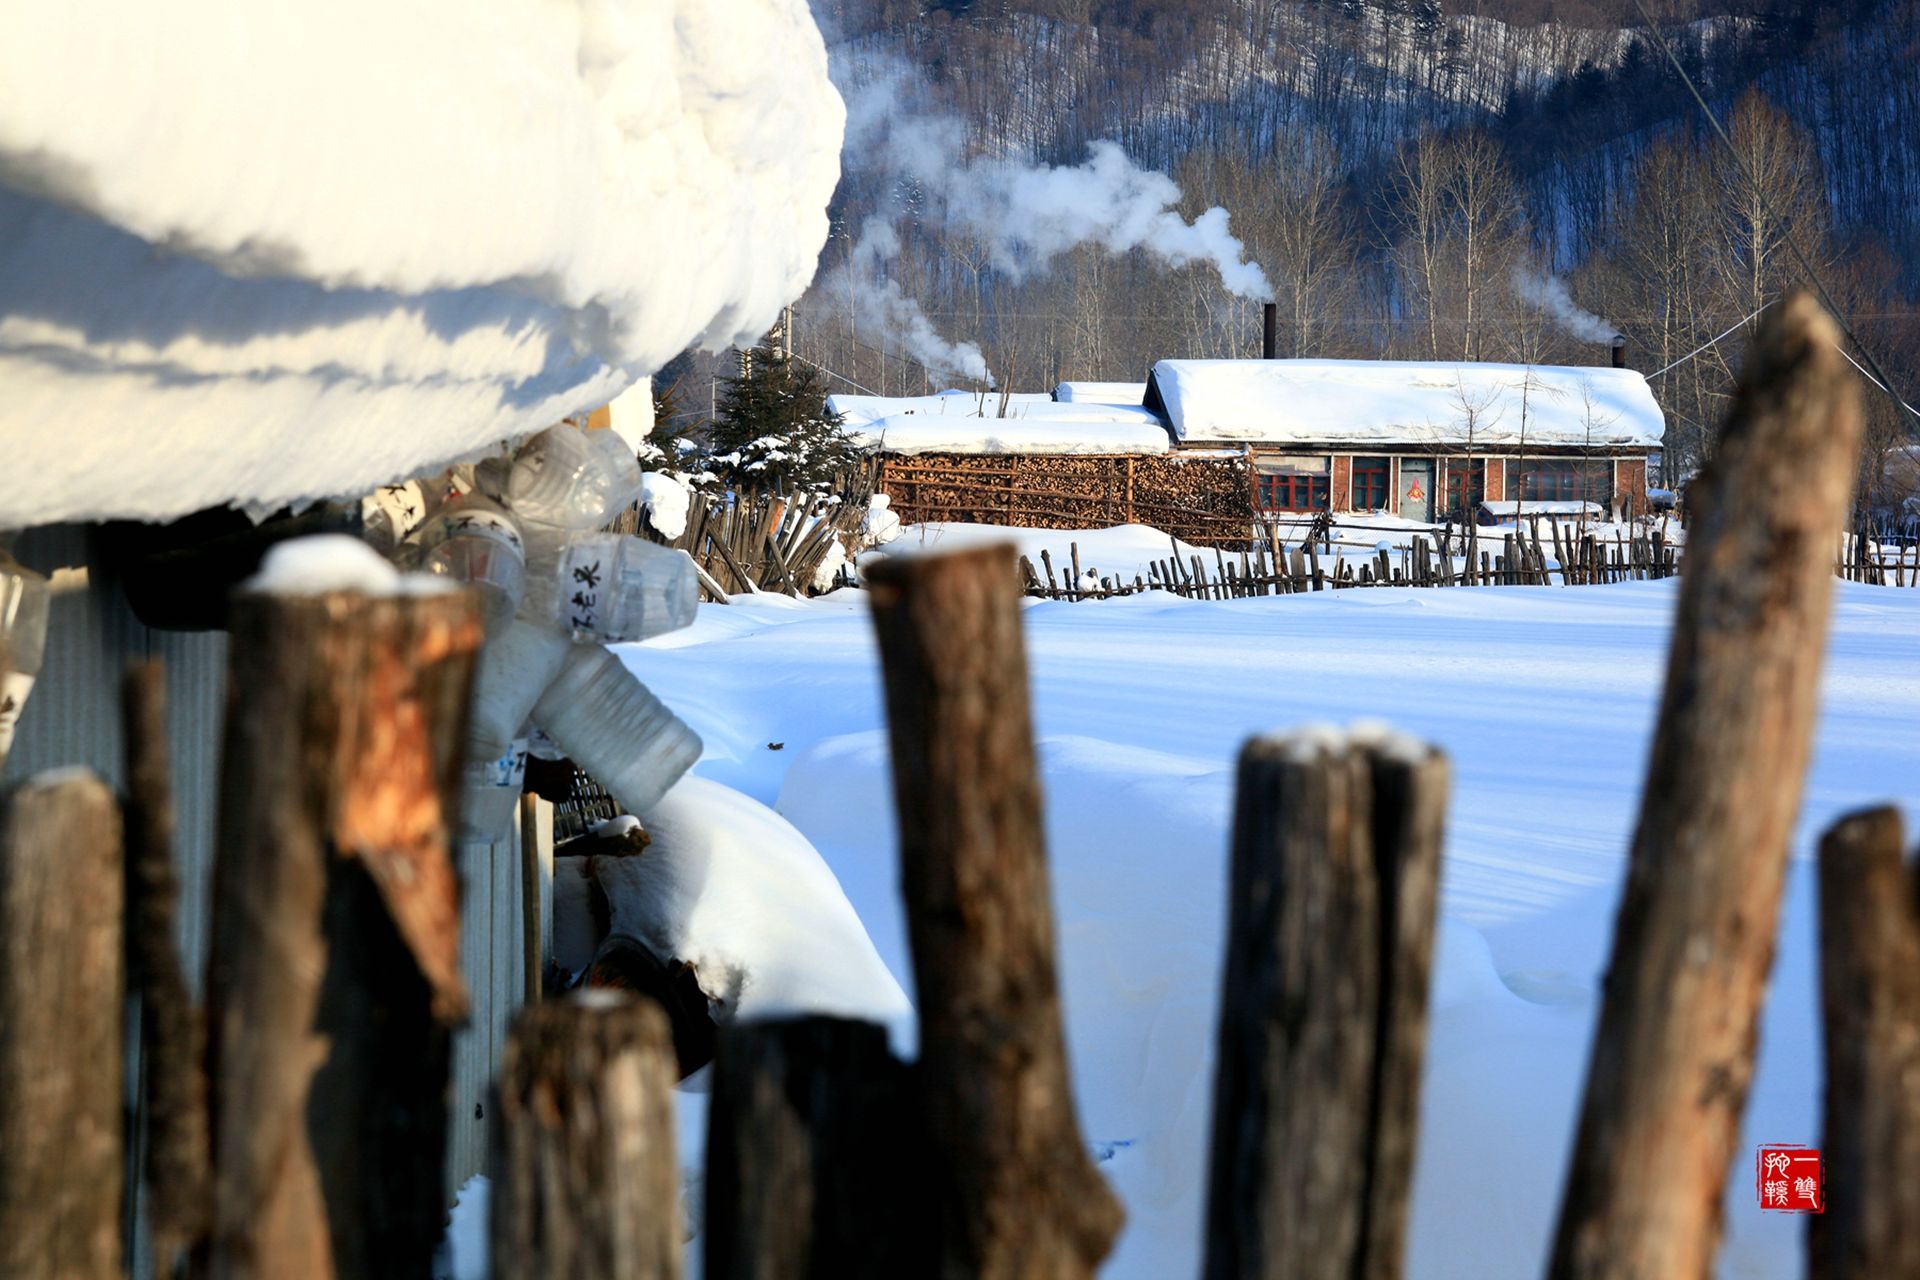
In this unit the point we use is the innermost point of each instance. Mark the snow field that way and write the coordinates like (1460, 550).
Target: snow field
(1543, 697)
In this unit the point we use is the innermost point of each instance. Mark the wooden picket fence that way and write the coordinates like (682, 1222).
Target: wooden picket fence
(1883, 563)
(1265, 566)
(827, 1155)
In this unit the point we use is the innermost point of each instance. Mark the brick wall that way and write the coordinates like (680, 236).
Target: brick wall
(1340, 498)
(1630, 478)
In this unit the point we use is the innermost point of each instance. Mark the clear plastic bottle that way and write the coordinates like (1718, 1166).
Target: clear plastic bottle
(24, 597)
(473, 540)
(573, 479)
(609, 724)
(615, 587)
(490, 793)
(514, 668)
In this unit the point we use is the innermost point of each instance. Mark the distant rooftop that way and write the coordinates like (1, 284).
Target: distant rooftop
(989, 422)
(1381, 402)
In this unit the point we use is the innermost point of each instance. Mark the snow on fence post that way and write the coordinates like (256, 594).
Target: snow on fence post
(585, 1181)
(816, 1160)
(61, 987)
(1673, 1056)
(173, 1031)
(1323, 1015)
(335, 975)
(1020, 1195)
(1870, 988)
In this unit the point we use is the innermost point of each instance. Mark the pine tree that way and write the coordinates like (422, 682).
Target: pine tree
(774, 428)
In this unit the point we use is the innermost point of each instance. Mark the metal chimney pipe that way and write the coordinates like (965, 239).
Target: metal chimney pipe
(1269, 331)
(1619, 350)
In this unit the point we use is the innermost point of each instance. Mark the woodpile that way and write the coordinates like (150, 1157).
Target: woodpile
(1205, 499)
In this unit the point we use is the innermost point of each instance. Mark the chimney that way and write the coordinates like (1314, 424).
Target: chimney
(1269, 331)
(1619, 350)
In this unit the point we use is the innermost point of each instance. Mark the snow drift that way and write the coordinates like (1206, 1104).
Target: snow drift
(296, 252)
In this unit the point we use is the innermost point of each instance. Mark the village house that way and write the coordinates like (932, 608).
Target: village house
(1204, 446)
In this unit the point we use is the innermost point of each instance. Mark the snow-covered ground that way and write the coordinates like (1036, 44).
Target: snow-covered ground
(1543, 697)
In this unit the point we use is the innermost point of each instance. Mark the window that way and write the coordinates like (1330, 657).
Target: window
(1293, 482)
(1293, 492)
(1566, 480)
(1370, 476)
(1466, 503)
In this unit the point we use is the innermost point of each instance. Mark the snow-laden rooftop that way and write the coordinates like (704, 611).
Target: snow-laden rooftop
(1380, 402)
(298, 251)
(974, 422)
(1100, 392)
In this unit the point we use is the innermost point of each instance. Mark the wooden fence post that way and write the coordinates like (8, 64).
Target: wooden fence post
(173, 1031)
(1021, 1197)
(816, 1167)
(1870, 988)
(61, 985)
(1694, 937)
(1335, 878)
(335, 975)
(586, 1184)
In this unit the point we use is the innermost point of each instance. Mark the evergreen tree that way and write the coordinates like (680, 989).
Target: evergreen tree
(773, 427)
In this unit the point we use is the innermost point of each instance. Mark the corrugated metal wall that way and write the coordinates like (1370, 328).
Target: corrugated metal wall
(73, 717)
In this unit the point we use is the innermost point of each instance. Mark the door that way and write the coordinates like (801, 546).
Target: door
(1416, 489)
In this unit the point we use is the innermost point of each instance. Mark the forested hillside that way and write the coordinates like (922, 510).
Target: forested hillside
(1417, 178)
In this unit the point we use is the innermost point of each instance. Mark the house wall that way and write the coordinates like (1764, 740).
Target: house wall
(1340, 496)
(1630, 478)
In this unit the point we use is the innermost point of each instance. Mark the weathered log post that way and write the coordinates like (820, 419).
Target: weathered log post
(816, 1164)
(1333, 888)
(61, 985)
(335, 976)
(1673, 1056)
(1870, 987)
(1021, 1197)
(586, 1184)
(173, 1031)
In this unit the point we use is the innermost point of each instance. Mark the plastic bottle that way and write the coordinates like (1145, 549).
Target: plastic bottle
(615, 587)
(490, 791)
(573, 479)
(514, 668)
(473, 540)
(23, 639)
(609, 724)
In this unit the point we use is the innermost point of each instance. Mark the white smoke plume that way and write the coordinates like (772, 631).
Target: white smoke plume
(862, 282)
(1023, 215)
(1549, 294)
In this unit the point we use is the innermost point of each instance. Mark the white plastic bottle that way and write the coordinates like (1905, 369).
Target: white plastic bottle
(609, 724)
(23, 638)
(615, 587)
(473, 540)
(573, 479)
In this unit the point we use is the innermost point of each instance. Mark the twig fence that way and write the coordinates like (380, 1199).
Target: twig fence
(1265, 566)
(743, 541)
(320, 1092)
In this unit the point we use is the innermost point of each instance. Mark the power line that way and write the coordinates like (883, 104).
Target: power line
(1793, 244)
(1735, 327)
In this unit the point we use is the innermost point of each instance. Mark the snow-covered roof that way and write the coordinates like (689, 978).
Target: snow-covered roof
(1100, 392)
(970, 422)
(1380, 402)
(299, 251)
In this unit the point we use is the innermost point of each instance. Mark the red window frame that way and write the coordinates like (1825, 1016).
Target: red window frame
(1477, 492)
(1294, 491)
(1371, 483)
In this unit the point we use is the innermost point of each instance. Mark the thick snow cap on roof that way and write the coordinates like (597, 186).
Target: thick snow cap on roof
(297, 251)
(1404, 402)
(975, 422)
(1101, 392)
